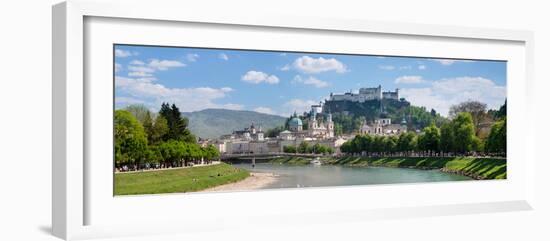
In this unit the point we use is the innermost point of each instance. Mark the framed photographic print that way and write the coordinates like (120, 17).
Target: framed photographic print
(218, 120)
(275, 119)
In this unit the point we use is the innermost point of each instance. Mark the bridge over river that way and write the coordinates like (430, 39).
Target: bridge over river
(269, 155)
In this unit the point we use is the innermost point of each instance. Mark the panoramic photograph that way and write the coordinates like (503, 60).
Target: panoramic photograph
(192, 119)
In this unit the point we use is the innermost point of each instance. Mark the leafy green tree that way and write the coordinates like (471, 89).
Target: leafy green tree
(390, 143)
(464, 132)
(130, 139)
(378, 144)
(477, 110)
(319, 149)
(496, 142)
(430, 139)
(158, 130)
(139, 111)
(447, 138)
(154, 156)
(303, 147)
(346, 147)
(289, 149)
(406, 142)
(148, 125)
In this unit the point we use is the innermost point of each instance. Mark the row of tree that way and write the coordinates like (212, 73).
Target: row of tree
(456, 137)
(305, 147)
(142, 140)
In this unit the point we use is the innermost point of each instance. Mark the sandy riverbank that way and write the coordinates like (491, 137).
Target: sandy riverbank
(256, 180)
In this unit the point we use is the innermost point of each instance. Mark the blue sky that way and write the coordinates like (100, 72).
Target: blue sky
(283, 82)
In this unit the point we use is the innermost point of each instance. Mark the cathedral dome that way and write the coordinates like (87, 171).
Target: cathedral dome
(295, 121)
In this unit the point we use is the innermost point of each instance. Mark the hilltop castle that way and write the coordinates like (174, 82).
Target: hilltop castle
(366, 94)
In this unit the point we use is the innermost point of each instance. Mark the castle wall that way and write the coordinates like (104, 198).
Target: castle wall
(366, 94)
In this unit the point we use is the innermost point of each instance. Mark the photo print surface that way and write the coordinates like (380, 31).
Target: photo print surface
(207, 120)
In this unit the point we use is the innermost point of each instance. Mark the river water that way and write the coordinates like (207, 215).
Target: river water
(328, 175)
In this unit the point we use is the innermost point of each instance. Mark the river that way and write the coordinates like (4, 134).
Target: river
(332, 175)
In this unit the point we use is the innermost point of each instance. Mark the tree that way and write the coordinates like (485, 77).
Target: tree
(346, 147)
(500, 113)
(139, 111)
(390, 143)
(289, 149)
(318, 148)
(154, 156)
(176, 123)
(378, 144)
(430, 139)
(158, 130)
(477, 110)
(274, 132)
(406, 142)
(130, 139)
(464, 132)
(447, 138)
(496, 142)
(303, 147)
(148, 125)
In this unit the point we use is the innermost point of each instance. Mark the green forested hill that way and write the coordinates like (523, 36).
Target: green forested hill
(349, 115)
(211, 123)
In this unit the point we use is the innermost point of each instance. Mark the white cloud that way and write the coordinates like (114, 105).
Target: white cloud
(391, 67)
(256, 77)
(192, 57)
(282, 54)
(165, 64)
(231, 106)
(386, 67)
(446, 92)
(139, 74)
(311, 81)
(141, 69)
(409, 79)
(187, 99)
(223, 56)
(448, 62)
(297, 105)
(285, 68)
(137, 62)
(124, 101)
(118, 67)
(264, 110)
(123, 53)
(422, 67)
(317, 65)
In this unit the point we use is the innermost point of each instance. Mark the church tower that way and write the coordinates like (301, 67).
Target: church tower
(330, 126)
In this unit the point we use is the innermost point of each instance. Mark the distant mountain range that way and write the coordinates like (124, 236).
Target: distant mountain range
(211, 123)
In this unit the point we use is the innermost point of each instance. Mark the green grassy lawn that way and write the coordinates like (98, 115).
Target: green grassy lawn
(291, 160)
(481, 168)
(177, 180)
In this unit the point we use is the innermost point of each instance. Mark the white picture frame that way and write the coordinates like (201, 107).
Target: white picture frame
(74, 199)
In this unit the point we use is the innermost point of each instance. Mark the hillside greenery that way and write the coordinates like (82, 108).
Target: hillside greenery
(212, 123)
(348, 116)
(478, 168)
